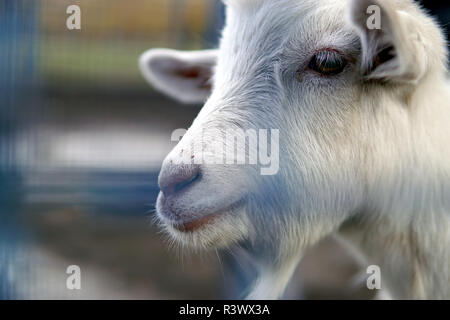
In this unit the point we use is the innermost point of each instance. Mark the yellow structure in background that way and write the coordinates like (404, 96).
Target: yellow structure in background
(146, 18)
(113, 34)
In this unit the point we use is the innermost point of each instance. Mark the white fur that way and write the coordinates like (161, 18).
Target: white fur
(364, 153)
(159, 65)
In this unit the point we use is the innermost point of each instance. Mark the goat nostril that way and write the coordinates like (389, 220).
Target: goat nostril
(174, 179)
(182, 185)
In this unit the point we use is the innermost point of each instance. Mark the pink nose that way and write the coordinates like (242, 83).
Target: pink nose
(176, 178)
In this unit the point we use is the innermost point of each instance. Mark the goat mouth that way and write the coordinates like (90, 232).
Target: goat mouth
(194, 225)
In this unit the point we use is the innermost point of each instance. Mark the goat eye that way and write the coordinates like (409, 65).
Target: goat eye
(328, 62)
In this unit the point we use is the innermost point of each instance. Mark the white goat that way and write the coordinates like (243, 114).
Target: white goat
(364, 123)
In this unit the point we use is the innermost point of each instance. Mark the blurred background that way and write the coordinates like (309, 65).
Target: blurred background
(82, 137)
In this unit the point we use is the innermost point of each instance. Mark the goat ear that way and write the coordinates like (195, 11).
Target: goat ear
(184, 76)
(390, 51)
